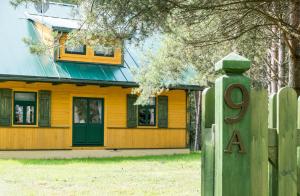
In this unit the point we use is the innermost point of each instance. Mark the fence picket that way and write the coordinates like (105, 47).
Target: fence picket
(208, 150)
(287, 149)
(273, 146)
(208, 107)
(272, 111)
(298, 166)
(259, 142)
(298, 149)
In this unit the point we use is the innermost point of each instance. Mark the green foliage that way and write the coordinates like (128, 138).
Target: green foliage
(161, 69)
(16, 3)
(196, 34)
(66, 1)
(35, 47)
(167, 66)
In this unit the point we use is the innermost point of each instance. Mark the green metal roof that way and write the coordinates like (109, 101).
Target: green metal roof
(18, 64)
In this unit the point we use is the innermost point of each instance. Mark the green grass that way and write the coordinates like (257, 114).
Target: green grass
(148, 175)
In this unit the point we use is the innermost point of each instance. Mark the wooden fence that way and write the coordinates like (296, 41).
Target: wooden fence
(249, 140)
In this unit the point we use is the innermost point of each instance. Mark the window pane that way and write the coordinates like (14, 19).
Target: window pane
(80, 111)
(142, 116)
(146, 114)
(152, 116)
(104, 51)
(30, 114)
(152, 101)
(95, 111)
(25, 96)
(75, 50)
(19, 111)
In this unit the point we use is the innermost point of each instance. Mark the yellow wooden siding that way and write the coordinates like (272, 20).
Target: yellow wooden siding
(59, 113)
(89, 56)
(117, 111)
(146, 138)
(116, 135)
(177, 109)
(15, 138)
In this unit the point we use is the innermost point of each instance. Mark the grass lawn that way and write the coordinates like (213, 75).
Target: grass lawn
(149, 175)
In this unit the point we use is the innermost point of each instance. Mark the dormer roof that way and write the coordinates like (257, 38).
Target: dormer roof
(60, 16)
(60, 24)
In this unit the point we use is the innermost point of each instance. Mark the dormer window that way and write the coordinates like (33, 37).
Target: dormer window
(104, 51)
(88, 54)
(75, 50)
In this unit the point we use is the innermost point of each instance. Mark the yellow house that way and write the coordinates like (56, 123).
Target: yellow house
(78, 97)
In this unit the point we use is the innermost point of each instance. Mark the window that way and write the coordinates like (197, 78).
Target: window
(88, 110)
(80, 111)
(104, 51)
(110, 54)
(95, 110)
(147, 113)
(75, 50)
(24, 108)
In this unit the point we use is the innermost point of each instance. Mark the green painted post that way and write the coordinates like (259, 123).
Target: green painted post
(208, 140)
(259, 142)
(273, 149)
(233, 134)
(287, 138)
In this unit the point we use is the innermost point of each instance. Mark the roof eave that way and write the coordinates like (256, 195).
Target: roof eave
(187, 87)
(87, 82)
(62, 29)
(65, 80)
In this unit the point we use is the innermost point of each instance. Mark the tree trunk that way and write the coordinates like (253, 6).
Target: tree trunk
(197, 119)
(269, 76)
(294, 49)
(273, 63)
(281, 62)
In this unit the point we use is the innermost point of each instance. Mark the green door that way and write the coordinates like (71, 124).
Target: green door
(88, 128)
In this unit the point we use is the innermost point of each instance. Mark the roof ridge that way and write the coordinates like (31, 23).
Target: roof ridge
(53, 16)
(63, 4)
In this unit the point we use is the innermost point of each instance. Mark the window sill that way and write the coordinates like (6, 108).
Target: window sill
(146, 128)
(16, 125)
(35, 126)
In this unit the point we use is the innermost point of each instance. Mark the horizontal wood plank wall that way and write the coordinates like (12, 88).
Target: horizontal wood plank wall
(146, 138)
(116, 135)
(16, 138)
(177, 109)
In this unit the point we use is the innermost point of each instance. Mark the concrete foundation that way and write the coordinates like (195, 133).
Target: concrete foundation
(69, 154)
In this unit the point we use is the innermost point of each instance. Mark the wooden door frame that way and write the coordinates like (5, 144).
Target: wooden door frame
(102, 116)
